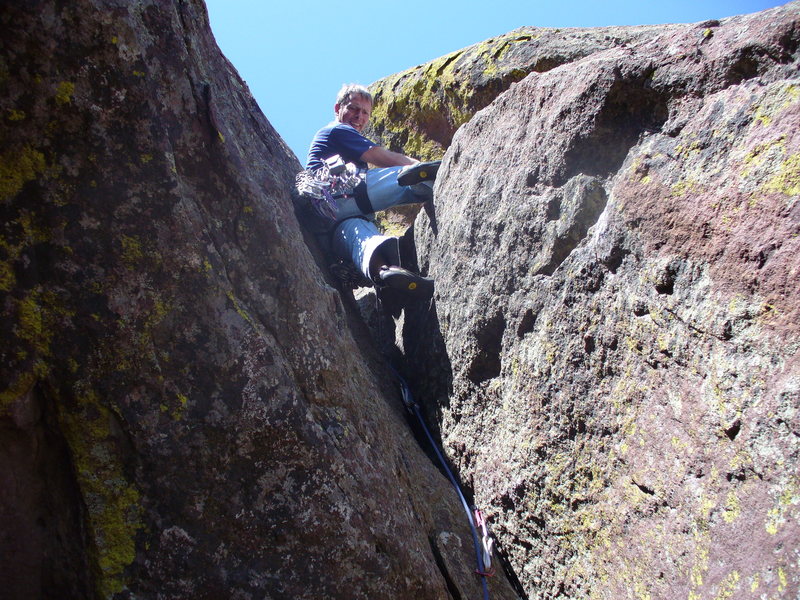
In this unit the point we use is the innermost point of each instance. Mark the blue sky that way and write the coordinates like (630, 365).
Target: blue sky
(296, 54)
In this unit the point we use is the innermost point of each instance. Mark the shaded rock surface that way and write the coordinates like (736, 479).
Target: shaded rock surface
(187, 408)
(612, 354)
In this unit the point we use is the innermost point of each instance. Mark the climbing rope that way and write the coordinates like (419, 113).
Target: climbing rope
(483, 546)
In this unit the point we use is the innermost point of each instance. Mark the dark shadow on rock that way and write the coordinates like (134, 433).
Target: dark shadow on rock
(430, 211)
(426, 365)
(429, 373)
(41, 513)
(631, 107)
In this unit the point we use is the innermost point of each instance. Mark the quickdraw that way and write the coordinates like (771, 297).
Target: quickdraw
(322, 186)
(486, 543)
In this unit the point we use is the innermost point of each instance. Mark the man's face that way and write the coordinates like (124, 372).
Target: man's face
(354, 113)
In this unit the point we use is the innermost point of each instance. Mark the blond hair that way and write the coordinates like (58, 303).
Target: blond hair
(352, 89)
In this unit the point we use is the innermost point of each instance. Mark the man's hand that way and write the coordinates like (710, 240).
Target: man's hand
(381, 157)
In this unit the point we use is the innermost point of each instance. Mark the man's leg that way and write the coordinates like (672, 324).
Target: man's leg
(381, 190)
(377, 256)
(359, 241)
(384, 191)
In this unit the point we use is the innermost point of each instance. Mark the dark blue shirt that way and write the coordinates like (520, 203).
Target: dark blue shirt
(341, 139)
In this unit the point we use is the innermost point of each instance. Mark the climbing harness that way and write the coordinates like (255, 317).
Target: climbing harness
(323, 186)
(483, 546)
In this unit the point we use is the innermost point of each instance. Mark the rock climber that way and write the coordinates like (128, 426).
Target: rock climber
(396, 179)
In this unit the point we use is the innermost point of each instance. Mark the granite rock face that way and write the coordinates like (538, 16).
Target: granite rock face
(187, 407)
(613, 354)
(418, 111)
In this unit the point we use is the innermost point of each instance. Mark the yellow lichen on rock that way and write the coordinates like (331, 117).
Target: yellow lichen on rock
(112, 502)
(775, 103)
(18, 167)
(64, 92)
(787, 180)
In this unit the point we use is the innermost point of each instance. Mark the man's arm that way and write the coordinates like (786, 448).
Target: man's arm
(381, 157)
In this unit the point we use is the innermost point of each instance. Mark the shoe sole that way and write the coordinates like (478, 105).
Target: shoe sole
(419, 173)
(409, 283)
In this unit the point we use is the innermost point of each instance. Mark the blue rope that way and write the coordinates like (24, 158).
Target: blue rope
(412, 406)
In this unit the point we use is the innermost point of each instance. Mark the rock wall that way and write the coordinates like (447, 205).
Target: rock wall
(187, 407)
(612, 354)
(418, 111)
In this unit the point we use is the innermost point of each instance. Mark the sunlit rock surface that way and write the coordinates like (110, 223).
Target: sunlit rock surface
(612, 354)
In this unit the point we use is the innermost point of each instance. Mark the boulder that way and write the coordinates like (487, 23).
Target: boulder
(188, 408)
(612, 356)
(418, 111)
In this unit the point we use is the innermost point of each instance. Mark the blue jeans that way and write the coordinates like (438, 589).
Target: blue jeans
(356, 239)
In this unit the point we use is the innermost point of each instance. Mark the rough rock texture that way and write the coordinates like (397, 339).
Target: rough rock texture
(613, 350)
(185, 410)
(418, 111)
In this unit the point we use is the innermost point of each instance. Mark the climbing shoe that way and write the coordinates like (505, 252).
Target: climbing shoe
(405, 281)
(419, 172)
